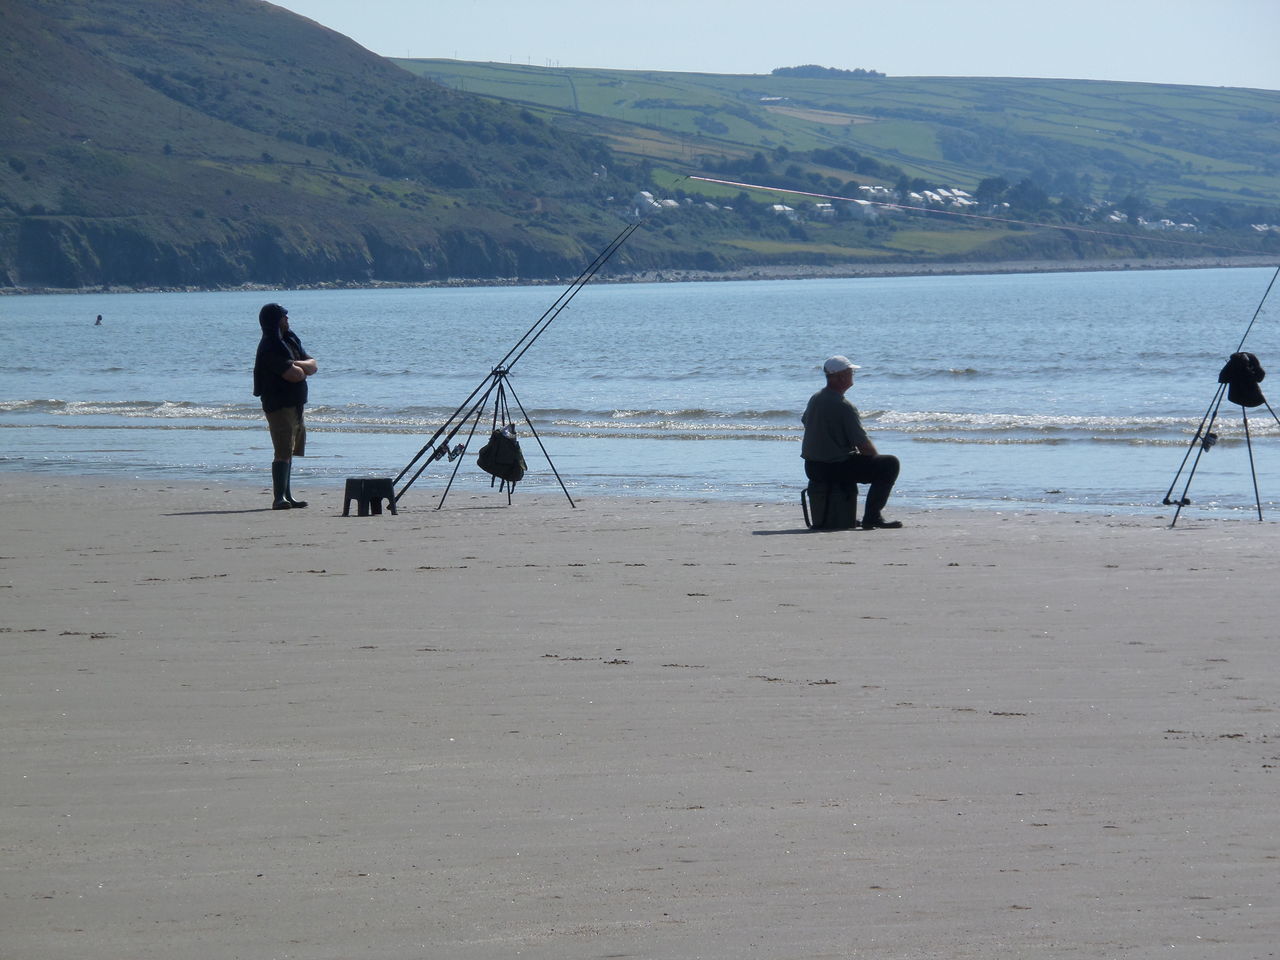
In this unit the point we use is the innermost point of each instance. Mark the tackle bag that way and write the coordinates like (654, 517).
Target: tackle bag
(1242, 374)
(502, 457)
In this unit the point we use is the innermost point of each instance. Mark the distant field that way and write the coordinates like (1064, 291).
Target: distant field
(826, 117)
(781, 248)
(1166, 141)
(944, 242)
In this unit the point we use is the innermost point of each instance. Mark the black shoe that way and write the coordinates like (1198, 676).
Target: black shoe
(880, 523)
(295, 504)
(282, 505)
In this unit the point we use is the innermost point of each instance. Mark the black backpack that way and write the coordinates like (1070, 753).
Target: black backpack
(1242, 373)
(502, 457)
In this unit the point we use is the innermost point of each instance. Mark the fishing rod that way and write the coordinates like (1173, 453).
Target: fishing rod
(975, 216)
(479, 397)
(1259, 310)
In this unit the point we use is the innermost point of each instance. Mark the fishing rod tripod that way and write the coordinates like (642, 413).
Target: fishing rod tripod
(498, 387)
(1237, 383)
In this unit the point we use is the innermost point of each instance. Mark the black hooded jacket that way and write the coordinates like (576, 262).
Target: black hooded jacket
(276, 352)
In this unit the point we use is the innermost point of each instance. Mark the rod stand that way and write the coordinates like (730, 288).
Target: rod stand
(495, 385)
(1206, 440)
(495, 399)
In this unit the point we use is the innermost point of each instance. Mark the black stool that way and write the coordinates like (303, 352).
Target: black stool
(368, 493)
(829, 506)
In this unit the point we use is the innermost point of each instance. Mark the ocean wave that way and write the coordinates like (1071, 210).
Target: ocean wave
(925, 373)
(132, 409)
(1050, 441)
(690, 413)
(1042, 423)
(668, 376)
(671, 423)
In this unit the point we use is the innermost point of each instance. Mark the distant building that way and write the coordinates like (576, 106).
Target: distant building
(863, 210)
(1166, 225)
(642, 204)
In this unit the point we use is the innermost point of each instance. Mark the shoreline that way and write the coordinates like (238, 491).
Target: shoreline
(763, 272)
(256, 482)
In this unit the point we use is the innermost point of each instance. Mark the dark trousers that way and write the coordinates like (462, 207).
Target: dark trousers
(880, 471)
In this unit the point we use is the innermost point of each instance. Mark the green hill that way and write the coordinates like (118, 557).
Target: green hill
(189, 143)
(1167, 142)
(1066, 152)
(179, 142)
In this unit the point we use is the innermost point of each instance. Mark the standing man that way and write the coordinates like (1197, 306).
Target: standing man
(836, 449)
(280, 373)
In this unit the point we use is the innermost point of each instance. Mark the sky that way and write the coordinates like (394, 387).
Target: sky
(1229, 43)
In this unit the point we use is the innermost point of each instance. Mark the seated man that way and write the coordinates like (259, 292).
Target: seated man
(836, 449)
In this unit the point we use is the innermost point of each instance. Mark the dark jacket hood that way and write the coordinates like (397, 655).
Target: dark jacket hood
(269, 319)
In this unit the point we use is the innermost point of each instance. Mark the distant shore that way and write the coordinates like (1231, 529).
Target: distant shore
(860, 270)
(762, 272)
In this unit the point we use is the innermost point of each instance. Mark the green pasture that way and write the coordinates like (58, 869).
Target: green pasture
(944, 243)
(1175, 141)
(797, 251)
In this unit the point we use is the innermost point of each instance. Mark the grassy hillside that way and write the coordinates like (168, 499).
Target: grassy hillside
(1092, 138)
(173, 141)
(1112, 170)
(198, 143)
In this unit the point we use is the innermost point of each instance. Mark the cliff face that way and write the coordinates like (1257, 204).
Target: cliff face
(178, 142)
(71, 252)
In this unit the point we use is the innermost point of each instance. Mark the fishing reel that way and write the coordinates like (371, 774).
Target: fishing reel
(441, 452)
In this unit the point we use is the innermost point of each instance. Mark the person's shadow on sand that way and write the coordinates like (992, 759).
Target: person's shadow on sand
(781, 533)
(215, 513)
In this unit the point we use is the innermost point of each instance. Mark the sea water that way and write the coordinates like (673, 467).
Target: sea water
(1070, 391)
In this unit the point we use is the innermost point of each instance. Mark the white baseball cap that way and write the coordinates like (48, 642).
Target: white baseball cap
(839, 364)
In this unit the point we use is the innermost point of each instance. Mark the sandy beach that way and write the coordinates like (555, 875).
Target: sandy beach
(652, 729)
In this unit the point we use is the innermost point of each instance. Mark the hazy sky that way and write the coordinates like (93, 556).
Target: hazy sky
(1222, 43)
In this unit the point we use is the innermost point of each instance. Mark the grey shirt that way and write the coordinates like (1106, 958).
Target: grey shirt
(832, 428)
